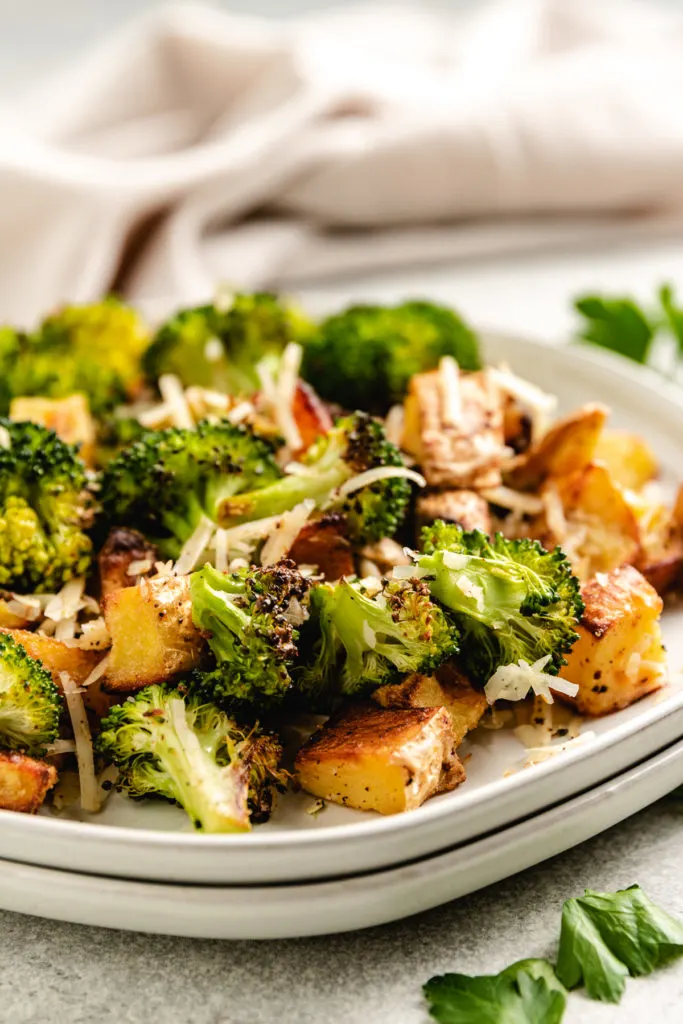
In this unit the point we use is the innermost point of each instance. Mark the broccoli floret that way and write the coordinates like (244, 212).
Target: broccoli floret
(356, 444)
(43, 509)
(164, 483)
(216, 347)
(247, 617)
(364, 357)
(30, 703)
(11, 342)
(93, 349)
(181, 749)
(511, 599)
(371, 633)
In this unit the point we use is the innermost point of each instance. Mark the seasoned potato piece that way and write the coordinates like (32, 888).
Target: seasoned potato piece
(569, 446)
(10, 615)
(311, 415)
(24, 782)
(619, 656)
(630, 461)
(122, 549)
(322, 542)
(386, 761)
(455, 429)
(57, 656)
(152, 634)
(660, 554)
(69, 418)
(464, 704)
(466, 508)
(589, 516)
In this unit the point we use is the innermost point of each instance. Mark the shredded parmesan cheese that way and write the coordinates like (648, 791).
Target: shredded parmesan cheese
(371, 476)
(513, 682)
(540, 404)
(516, 501)
(90, 791)
(139, 567)
(194, 546)
(455, 560)
(449, 390)
(67, 602)
(5, 439)
(370, 568)
(369, 635)
(554, 512)
(60, 747)
(173, 395)
(394, 425)
(285, 532)
(220, 550)
(536, 755)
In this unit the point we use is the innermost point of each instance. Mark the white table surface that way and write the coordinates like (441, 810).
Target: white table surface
(57, 972)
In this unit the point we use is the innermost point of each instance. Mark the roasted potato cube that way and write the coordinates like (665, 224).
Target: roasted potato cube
(464, 704)
(377, 760)
(152, 634)
(466, 508)
(456, 437)
(56, 656)
(628, 458)
(660, 554)
(69, 418)
(122, 549)
(322, 542)
(24, 782)
(568, 447)
(619, 656)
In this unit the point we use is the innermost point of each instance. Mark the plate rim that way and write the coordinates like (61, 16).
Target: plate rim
(43, 828)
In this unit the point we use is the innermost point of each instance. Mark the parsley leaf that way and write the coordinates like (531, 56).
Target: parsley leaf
(620, 325)
(527, 992)
(673, 314)
(605, 937)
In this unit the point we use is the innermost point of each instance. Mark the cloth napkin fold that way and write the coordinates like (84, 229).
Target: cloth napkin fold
(196, 146)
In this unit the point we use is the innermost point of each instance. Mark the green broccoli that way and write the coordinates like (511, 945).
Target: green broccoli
(364, 357)
(370, 633)
(222, 348)
(30, 703)
(357, 443)
(510, 599)
(164, 483)
(43, 509)
(92, 349)
(247, 617)
(180, 749)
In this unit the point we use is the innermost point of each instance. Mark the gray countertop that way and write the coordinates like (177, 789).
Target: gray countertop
(56, 972)
(52, 972)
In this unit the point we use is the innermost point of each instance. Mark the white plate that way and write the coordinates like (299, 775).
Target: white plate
(292, 911)
(153, 841)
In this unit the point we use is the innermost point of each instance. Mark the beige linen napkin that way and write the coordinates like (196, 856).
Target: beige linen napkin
(264, 153)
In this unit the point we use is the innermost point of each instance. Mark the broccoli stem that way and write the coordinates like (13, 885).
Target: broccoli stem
(214, 797)
(230, 510)
(214, 611)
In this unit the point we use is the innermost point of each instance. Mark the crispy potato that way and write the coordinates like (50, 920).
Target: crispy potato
(322, 542)
(465, 451)
(56, 657)
(464, 704)
(9, 618)
(70, 419)
(466, 508)
(311, 415)
(598, 528)
(152, 634)
(619, 656)
(24, 782)
(122, 548)
(377, 760)
(568, 447)
(630, 461)
(660, 554)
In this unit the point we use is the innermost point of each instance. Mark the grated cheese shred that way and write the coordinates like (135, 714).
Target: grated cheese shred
(513, 682)
(90, 790)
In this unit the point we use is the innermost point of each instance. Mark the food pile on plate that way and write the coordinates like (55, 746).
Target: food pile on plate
(246, 526)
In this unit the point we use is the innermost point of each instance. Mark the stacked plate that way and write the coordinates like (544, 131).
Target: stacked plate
(137, 866)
